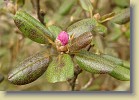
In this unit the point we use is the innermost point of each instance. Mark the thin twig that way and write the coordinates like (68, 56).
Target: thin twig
(72, 82)
(89, 83)
(77, 71)
(39, 13)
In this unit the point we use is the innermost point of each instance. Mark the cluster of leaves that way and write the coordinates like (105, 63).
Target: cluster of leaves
(85, 42)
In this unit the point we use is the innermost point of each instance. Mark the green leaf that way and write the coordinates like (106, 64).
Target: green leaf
(60, 69)
(106, 17)
(86, 5)
(54, 30)
(126, 64)
(116, 33)
(77, 13)
(101, 29)
(80, 42)
(116, 60)
(102, 64)
(98, 43)
(82, 26)
(32, 28)
(66, 6)
(94, 63)
(122, 3)
(122, 17)
(30, 69)
(121, 73)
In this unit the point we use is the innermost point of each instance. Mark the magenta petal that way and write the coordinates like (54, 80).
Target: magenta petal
(63, 37)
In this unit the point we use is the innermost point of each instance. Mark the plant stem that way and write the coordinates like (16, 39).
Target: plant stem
(77, 71)
(39, 13)
(72, 82)
(89, 83)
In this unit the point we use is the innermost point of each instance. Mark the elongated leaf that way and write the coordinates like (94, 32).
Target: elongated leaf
(32, 28)
(98, 43)
(86, 5)
(80, 42)
(82, 26)
(106, 17)
(35, 22)
(122, 17)
(66, 6)
(101, 29)
(122, 3)
(30, 69)
(77, 13)
(121, 73)
(86, 25)
(126, 64)
(97, 64)
(114, 35)
(60, 69)
(94, 63)
(54, 30)
(117, 61)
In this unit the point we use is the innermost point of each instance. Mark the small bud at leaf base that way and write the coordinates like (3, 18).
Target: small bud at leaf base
(63, 37)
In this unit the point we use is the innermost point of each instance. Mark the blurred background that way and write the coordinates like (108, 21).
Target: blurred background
(14, 47)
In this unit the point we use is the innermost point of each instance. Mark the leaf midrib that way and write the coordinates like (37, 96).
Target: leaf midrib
(26, 67)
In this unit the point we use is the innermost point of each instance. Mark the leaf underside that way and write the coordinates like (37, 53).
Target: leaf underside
(80, 42)
(30, 69)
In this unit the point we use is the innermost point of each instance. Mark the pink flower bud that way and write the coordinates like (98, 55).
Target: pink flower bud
(63, 37)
